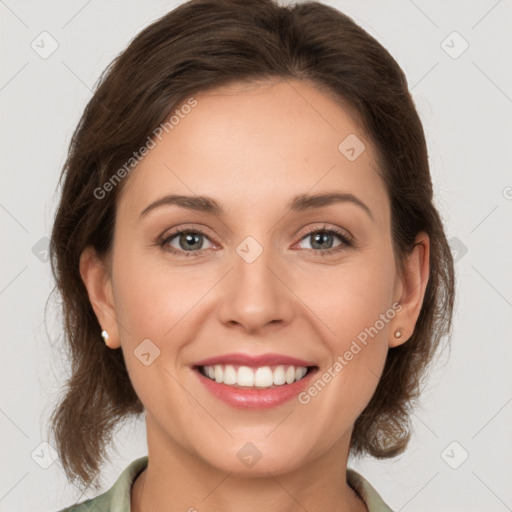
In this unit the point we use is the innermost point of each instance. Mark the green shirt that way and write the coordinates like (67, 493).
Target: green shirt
(117, 498)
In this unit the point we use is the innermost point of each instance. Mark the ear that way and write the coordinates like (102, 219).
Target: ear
(97, 280)
(413, 284)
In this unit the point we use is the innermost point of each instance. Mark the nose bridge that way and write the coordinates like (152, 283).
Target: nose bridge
(254, 295)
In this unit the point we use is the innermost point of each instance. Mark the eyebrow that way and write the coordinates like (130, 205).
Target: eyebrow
(302, 202)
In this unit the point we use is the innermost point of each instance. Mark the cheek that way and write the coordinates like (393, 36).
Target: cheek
(151, 297)
(152, 304)
(349, 299)
(352, 305)
(356, 321)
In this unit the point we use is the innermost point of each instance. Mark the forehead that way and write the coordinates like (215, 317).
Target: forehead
(257, 146)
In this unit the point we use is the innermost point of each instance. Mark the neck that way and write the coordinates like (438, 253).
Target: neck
(177, 480)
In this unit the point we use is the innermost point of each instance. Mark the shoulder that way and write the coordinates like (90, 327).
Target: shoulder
(367, 492)
(118, 496)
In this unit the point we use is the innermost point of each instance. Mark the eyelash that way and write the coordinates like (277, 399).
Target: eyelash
(347, 241)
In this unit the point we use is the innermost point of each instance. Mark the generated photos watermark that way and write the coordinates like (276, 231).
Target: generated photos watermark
(354, 349)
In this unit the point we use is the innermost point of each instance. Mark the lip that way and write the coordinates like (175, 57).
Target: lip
(240, 359)
(253, 398)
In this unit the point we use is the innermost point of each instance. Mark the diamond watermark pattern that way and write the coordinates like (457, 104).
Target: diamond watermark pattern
(249, 455)
(40, 249)
(351, 147)
(454, 455)
(454, 45)
(249, 249)
(44, 45)
(44, 455)
(146, 352)
(458, 248)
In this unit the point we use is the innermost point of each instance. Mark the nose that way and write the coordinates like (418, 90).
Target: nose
(254, 294)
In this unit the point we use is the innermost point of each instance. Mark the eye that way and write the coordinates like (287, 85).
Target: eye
(322, 240)
(188, 242)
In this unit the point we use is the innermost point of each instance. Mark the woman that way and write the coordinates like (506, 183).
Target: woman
(248, 252)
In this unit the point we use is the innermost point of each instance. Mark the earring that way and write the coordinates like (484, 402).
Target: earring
(398, 333)
(105, 336)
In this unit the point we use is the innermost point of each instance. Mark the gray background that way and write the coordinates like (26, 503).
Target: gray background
(465, 102)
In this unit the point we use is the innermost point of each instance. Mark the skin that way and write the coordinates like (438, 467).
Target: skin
(253, 149)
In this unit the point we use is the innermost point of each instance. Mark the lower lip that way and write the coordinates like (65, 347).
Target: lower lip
(254, 398)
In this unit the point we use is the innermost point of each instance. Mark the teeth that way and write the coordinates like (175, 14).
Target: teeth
(262, 377)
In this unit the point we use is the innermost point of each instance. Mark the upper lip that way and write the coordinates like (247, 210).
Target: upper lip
(253, 361)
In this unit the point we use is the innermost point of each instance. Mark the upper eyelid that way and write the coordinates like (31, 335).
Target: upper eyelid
(326, 227)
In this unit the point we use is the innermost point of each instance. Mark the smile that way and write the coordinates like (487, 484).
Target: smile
(255, 388)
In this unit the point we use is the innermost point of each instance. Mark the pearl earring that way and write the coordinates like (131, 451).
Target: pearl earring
(105, 336)
(398, 333)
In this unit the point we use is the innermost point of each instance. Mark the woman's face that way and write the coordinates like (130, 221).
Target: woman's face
(261, 275)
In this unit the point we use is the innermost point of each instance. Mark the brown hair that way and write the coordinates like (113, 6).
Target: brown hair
(200, 45)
